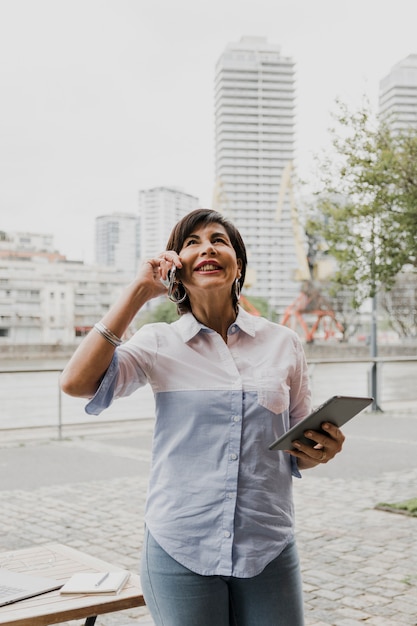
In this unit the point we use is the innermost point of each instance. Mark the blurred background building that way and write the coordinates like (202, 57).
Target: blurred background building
(254, 143)
(46, 299)
(159, 210)
(118, 241)
(398, 94)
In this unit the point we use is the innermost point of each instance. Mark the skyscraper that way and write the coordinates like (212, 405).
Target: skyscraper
(117, 241)
(398, 94)
(159, 210)
(255, 135)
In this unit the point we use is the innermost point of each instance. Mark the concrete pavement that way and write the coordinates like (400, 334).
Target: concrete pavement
(359, 564)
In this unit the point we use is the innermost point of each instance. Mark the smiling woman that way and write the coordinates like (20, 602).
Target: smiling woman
(220, 234)
(219, 514)
(213, 268)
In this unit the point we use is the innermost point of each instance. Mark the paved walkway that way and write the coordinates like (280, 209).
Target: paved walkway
(88, 490)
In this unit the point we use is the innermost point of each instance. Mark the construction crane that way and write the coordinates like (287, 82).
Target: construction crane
(310, 310)
(219, 203)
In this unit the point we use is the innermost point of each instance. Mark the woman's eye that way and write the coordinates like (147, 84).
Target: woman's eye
(190, 242)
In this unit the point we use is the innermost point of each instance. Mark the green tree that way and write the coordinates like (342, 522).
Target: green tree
(166, 311)
(261, 305)
(400, 303)
(366, 210)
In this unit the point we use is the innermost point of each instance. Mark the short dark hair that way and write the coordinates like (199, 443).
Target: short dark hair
(187, 225)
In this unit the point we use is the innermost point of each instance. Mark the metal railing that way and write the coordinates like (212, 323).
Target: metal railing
(32, 398)
(373, 378)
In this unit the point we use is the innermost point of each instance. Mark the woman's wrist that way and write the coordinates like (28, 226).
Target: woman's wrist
(115, 323)
(108, 335)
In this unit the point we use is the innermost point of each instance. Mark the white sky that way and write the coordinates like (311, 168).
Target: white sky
(101, 98)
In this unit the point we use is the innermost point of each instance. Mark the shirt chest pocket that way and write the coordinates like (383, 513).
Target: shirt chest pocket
(273, 390)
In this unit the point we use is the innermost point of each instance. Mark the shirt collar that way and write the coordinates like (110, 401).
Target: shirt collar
(246, 322)
(188, 326)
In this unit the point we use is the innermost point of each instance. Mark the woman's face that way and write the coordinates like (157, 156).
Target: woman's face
(209, 261)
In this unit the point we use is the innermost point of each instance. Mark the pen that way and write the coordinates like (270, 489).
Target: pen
(102, 579)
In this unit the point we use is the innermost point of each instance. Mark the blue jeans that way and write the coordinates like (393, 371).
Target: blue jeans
(176, 596)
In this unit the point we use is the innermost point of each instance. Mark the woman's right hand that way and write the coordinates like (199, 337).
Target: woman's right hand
(153, 271)
(83, 373)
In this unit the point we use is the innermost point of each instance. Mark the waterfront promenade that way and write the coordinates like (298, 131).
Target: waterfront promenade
(359, 564)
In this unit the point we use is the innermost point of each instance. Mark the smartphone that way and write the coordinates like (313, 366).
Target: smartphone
(170, 279)
(336, 410)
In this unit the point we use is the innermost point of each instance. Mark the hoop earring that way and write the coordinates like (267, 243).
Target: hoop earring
(174, 289)
(175, 296)
(237, 289)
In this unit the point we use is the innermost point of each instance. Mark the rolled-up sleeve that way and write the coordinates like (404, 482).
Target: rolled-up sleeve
(128, 370)
(104, 395)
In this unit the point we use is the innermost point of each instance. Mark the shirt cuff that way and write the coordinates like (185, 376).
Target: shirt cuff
(294, 468)
(104, 395)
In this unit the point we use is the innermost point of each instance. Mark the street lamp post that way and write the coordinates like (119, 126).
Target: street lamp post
(374, 354)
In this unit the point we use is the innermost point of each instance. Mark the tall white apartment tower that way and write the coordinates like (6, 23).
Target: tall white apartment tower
(398, 94)
(254, 136)
(117, 241)
(160, 209)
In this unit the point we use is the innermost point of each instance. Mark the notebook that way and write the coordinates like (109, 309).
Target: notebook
(97, 582)
(15, 586)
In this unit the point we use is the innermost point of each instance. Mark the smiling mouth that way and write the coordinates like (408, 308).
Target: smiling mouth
(208, 267)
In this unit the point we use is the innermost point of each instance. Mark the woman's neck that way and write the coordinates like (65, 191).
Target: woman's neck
(218, 318)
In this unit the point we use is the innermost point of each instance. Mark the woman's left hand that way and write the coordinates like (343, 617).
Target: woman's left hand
(327, 445)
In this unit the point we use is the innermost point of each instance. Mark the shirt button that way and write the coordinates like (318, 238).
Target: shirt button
(230, 495)
(233, 457)
(226, 533)
(236, 418)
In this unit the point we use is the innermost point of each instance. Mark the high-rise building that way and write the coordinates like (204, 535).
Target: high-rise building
(398, 94)
(255, 136)
(160, 209)
(117, 241)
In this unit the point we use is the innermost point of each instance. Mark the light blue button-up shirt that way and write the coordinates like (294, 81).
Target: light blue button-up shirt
(219, 502)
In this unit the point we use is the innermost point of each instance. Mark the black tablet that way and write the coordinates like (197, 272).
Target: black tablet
(337, 410)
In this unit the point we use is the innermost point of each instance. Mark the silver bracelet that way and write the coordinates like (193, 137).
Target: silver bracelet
(107, 334)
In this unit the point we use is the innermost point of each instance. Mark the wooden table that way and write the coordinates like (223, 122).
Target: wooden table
(60, 562)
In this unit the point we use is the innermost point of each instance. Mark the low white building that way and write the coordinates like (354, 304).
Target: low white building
(45, 299)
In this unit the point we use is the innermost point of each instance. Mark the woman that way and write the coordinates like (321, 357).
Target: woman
(219, 541)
